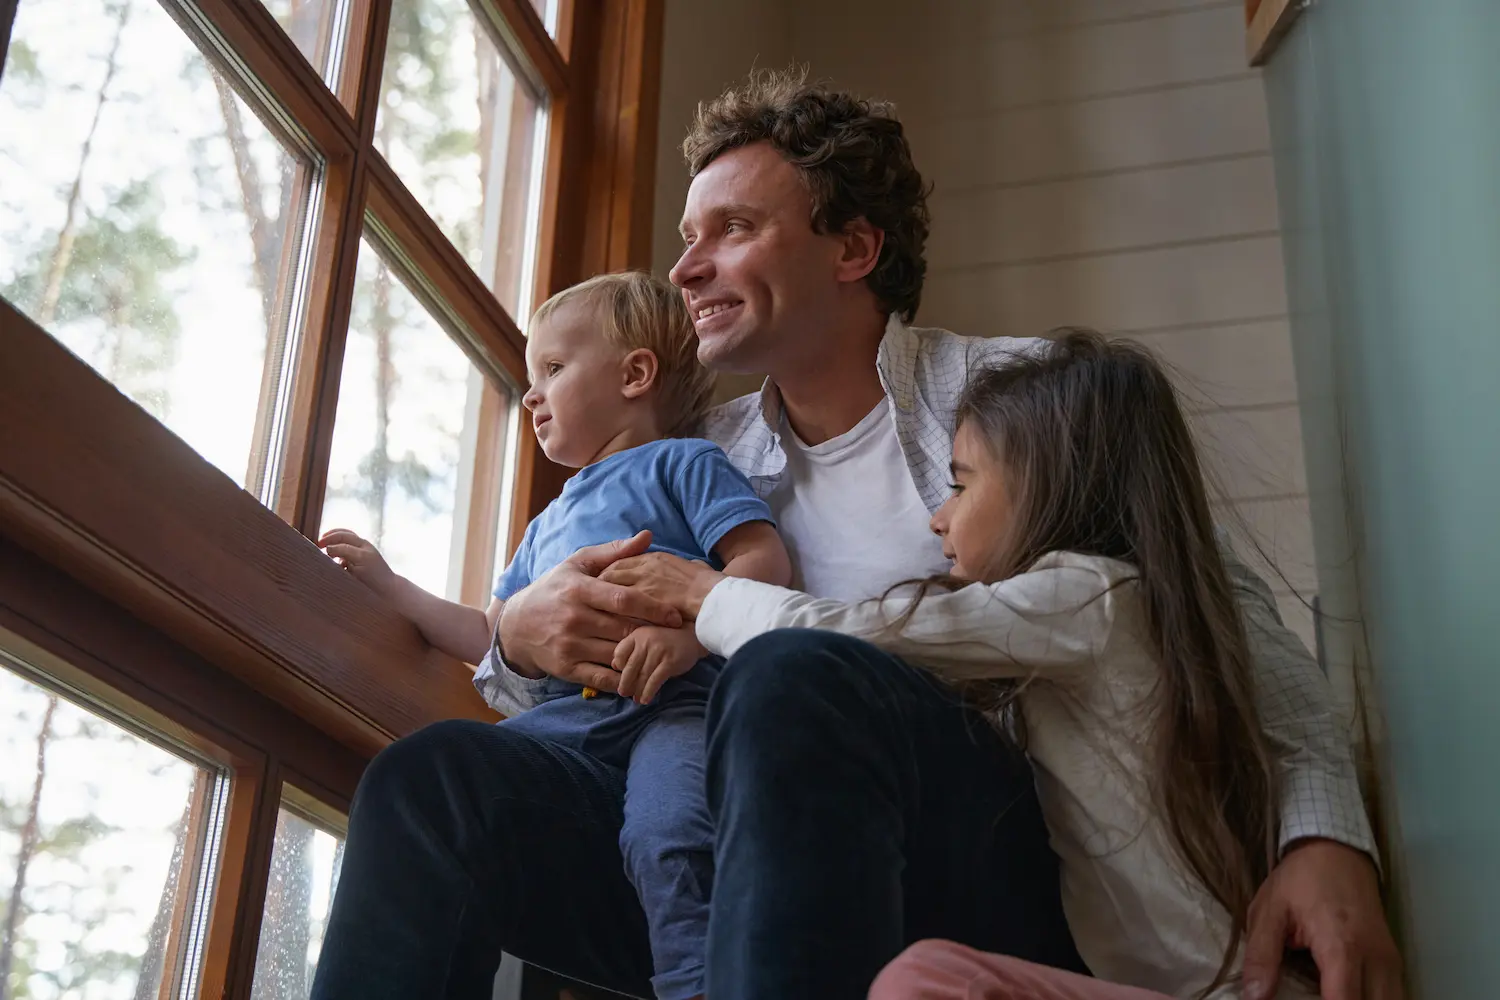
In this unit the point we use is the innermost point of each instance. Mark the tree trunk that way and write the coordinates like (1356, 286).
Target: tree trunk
(382, 325)
(62, 254)
(281, 966)
(488, 84)
(265, 232)
(31, 833)
(154, 962)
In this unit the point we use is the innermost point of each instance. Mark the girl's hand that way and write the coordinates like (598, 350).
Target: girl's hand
(362, 559)
(672, 580)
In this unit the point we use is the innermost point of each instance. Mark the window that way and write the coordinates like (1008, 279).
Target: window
(460, 129)
(312, 26)
(305, 861)
(182, 269)
(167, 266)
(407, 431)
(107, 847)
(263, 266)
(547, 11)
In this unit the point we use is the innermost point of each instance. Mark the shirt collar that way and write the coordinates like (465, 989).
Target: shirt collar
(895, 361)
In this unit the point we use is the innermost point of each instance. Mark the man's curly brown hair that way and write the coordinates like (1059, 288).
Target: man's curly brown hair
(852, 154)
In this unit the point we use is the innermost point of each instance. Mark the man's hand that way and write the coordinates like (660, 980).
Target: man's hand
(670, 579)
(568, 622)
(1324, 896)
(648, 657)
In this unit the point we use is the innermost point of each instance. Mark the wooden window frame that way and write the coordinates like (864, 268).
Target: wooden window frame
(141, 576)
(1266, 23)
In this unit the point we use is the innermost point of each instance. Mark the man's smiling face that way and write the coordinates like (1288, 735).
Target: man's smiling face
(755, 275)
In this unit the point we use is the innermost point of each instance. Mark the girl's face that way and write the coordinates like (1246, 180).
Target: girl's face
(976, 518)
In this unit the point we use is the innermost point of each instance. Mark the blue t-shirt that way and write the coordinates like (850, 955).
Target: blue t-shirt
(682, 489)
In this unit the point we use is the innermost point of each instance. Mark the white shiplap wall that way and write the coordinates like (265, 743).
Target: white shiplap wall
(1095, 162)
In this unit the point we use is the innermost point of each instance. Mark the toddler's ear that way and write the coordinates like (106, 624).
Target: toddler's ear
(638, 372)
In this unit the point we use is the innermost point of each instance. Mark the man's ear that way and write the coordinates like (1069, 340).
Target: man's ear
(638, 369)
(862, 244)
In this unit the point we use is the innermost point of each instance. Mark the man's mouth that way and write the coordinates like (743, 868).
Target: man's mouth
(708, 314)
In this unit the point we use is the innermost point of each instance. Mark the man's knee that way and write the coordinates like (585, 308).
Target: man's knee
(789, 696)
(412, 767)
(787, 663)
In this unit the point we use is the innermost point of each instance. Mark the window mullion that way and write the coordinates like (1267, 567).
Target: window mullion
(524, 37)
(309, 438)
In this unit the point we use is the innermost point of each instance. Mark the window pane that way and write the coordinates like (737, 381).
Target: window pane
(309, 23)
(548, 11)
(305, 864)
(102, 836)
(462, 131)
(157, 262)
(404, 438)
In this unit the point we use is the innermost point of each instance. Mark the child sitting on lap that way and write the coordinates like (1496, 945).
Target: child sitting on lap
(614, 376)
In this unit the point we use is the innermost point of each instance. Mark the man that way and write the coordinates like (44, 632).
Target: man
(858, 805)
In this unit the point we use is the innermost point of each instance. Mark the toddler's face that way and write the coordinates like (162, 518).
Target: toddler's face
(576, 378)
(975, 519)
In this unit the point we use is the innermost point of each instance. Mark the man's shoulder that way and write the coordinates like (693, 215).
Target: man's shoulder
(726, 424)
(944, 346)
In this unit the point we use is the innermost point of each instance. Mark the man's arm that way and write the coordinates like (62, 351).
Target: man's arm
(1320, 794)
(649, 657)
(1324, 894)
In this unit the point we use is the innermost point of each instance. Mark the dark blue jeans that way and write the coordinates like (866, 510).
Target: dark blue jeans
(859, 806)
(666, 834)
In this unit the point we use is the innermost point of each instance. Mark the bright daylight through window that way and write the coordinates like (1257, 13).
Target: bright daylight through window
(107, 849)
(169, 265)
(305, 863)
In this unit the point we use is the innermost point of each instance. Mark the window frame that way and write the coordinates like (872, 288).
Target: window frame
(158, 587)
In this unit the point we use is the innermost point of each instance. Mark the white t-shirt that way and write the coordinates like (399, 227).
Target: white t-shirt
(850, 515)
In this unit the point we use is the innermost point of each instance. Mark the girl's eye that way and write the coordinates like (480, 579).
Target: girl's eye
(956, 487)
(553, 367)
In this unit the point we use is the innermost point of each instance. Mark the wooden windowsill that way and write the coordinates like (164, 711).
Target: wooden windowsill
(94, 484)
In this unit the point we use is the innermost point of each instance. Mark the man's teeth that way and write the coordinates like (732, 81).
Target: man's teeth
(711, 310)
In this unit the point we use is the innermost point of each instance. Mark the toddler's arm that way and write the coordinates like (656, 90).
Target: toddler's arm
(456, 629)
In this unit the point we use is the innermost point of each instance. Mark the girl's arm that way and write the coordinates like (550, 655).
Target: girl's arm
(1054, 619)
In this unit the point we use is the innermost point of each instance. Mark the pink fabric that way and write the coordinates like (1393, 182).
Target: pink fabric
(942, 970)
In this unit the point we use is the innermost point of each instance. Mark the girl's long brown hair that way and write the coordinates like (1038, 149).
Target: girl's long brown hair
(1099, 460)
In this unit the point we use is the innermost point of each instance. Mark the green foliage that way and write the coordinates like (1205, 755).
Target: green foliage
(407, 473)
(21, 64)
(115, 282)
(426, 41)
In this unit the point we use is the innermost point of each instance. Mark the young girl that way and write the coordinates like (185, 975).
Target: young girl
(1090, 606)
